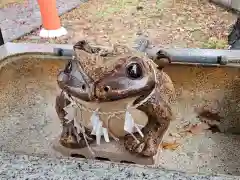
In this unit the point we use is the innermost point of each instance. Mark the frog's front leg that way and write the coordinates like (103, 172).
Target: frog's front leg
(159, 120)
(70, 138)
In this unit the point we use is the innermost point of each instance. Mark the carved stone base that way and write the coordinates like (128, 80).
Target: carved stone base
(112, 151)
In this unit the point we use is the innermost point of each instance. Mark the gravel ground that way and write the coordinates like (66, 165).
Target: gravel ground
(16, 166)
(182, 23)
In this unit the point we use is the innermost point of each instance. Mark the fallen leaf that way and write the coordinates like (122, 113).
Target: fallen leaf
(209, 116)
(171, 146)
(198, 128)
(208, 113)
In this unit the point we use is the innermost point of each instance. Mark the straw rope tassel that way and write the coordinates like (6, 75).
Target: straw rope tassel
(98, 128)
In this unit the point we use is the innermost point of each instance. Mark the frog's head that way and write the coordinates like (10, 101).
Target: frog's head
(98, 74)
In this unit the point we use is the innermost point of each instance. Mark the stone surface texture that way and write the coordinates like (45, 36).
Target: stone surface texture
(16, 166)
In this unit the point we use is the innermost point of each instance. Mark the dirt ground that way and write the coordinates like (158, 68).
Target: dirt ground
(180, 23)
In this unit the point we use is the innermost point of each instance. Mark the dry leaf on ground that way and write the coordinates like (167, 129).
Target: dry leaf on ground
(211, 117)
(209, 112)
(170, 145)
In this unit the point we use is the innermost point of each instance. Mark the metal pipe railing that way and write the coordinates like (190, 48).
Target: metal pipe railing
(178, 55)
(182, 55)
(187, 55)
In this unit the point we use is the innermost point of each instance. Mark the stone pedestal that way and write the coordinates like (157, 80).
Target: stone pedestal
(112, 151)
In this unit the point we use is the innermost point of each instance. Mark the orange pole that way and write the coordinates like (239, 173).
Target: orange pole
(50, 18)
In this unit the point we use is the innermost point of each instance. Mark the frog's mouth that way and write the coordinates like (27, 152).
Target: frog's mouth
(87, 90)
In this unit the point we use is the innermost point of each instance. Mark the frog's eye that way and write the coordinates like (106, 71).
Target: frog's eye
(134, 71)
(68, 67)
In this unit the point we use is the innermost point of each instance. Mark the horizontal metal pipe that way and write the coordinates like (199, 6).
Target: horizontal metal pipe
(183, 55)
(190, 55)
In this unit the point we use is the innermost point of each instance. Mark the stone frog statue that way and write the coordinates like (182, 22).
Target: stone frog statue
(104, 75)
